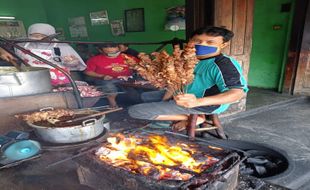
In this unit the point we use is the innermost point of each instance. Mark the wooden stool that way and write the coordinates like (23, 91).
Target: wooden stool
(205, 126)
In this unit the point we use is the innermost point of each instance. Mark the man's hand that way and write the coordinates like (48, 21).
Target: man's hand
(186, 100)
(6, 56)
(168, 95)
(227, 97)
(107, 77)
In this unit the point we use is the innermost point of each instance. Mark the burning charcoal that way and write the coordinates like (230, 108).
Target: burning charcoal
(103, 151)
(122, 163)
(167, 174)
(171, 175)
(157, 176)
(120, 135)
(148, 170)
(215, 148)
(154, 156)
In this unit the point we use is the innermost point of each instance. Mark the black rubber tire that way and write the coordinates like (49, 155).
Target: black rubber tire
(245, 145)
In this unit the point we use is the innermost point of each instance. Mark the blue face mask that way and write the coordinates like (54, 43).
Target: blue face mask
(205, 50)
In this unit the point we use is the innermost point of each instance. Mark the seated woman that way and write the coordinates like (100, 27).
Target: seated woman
(218, 82)
(108, 69)
(61, 54)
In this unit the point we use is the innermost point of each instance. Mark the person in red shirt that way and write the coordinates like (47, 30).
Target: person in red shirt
(107, 69)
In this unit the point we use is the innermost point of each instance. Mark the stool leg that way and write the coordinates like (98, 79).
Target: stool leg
(191, 126)
(216, 122)
(204, 125)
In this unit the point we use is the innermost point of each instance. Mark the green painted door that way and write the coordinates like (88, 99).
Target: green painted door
(270, 30)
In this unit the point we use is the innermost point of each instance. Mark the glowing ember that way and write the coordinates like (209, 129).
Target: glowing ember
(154, 156)
(215, 148)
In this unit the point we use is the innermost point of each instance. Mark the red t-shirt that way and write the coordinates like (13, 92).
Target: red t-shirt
(112, 66)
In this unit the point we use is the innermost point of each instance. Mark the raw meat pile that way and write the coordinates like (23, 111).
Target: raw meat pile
(85, 91)
(167, 71)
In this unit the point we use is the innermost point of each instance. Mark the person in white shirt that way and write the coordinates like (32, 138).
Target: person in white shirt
(61, 54)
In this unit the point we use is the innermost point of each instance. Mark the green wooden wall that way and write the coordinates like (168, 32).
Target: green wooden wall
(268, 48)
(57, 12)
(29, 11)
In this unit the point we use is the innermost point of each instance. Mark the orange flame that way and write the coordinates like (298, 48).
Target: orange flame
(153, 156)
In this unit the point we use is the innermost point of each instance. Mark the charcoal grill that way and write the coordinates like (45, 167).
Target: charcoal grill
(223, 175)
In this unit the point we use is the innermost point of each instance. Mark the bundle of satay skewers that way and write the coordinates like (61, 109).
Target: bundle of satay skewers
(164, 71)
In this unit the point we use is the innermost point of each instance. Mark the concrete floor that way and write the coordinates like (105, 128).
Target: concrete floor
(277, 120)
(284, 125)
(257, 97)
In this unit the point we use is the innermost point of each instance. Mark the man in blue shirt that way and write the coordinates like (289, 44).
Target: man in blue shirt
(218, 82)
